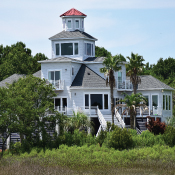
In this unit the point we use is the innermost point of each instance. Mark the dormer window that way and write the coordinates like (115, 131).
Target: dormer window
(69, 24)
(77, 24)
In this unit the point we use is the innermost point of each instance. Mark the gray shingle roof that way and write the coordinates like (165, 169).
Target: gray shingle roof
(10, 79)
(72, 34)
(150, 82)
(37, 74)
(16, 77)
(88, 78)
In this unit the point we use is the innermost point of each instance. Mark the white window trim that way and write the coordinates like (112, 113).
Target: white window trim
(102, 93)
(79, 23)
(82, 22)
(157, 100)
(64, 24)
(169, 96)
(73, 42)
(67, 23)
(61, 97)
(85, 48)
(49, 70)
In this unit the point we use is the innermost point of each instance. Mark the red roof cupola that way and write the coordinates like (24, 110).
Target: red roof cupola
(73, 12)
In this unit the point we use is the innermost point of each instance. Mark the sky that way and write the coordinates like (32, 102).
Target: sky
(146, 27)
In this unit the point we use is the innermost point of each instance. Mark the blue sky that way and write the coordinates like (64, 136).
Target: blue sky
(146, 27)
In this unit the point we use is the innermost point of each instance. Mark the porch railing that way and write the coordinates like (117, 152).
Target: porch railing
(124, 85)
(58, 84)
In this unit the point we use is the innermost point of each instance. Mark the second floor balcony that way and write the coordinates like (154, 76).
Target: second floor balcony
(124, 85)
(58, 84)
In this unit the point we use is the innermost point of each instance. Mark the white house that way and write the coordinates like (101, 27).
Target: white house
(74, 71)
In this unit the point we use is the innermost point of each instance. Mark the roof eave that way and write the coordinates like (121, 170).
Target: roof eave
(54, 39)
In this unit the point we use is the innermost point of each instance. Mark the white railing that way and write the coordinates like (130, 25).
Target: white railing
(138, 131)
(124, 85)
(103, 123)
(58, 84)
(61, 109)
(120, 120)
(157, 110)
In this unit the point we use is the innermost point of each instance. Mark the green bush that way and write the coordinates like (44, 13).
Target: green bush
(119, 139)
(101, 137)
(147, 139)
(90, 140)
(169, 136)
(15, 148)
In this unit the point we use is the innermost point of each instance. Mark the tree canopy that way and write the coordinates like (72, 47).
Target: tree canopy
(24, 105)
(18, 59)
(101, 52)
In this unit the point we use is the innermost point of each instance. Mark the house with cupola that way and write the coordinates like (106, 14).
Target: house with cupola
(74, 71)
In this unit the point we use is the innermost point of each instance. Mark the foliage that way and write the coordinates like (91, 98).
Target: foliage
(111, 65)
(101, 52)
(118, 139)
(18, 59)
(147, 139)
(164, 68)
(171, 121)
(15, 148)
(134, 68)
(169, 136)
(79, 121)
(101, 137)
(130, 103)
(155, 127)
(25, 104)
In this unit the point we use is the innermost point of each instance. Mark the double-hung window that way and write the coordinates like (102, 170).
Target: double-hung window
(77, 25)
(89, 49)
(54, 77)
(69, 24)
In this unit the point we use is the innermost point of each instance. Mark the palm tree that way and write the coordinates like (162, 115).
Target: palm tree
(111, 65)
(131, 102)
(134, 68)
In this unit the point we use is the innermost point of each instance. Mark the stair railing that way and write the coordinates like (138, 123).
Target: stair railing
(138, 131)
(120, 120)
(103, 123)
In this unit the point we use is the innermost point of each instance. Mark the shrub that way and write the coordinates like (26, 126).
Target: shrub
(156, 127)
(101, 137)
(15, 148)
(169, 136)
(147, 139)
(90, 140)
(119, 139)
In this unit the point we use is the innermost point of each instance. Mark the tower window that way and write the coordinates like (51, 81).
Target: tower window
(69, 24)
(66, 48)
(57, 49)
(82, 25)
(76, 48)
(76, 24)
(88, 49)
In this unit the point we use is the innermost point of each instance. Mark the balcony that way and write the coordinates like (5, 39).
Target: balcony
(58, 84)
(124, 85)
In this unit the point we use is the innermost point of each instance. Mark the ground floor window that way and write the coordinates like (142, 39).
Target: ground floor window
(155, 100)
(60, 104)
(94, 100)
(166, 102)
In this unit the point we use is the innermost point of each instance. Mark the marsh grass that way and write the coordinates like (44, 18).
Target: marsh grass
(93, 159)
